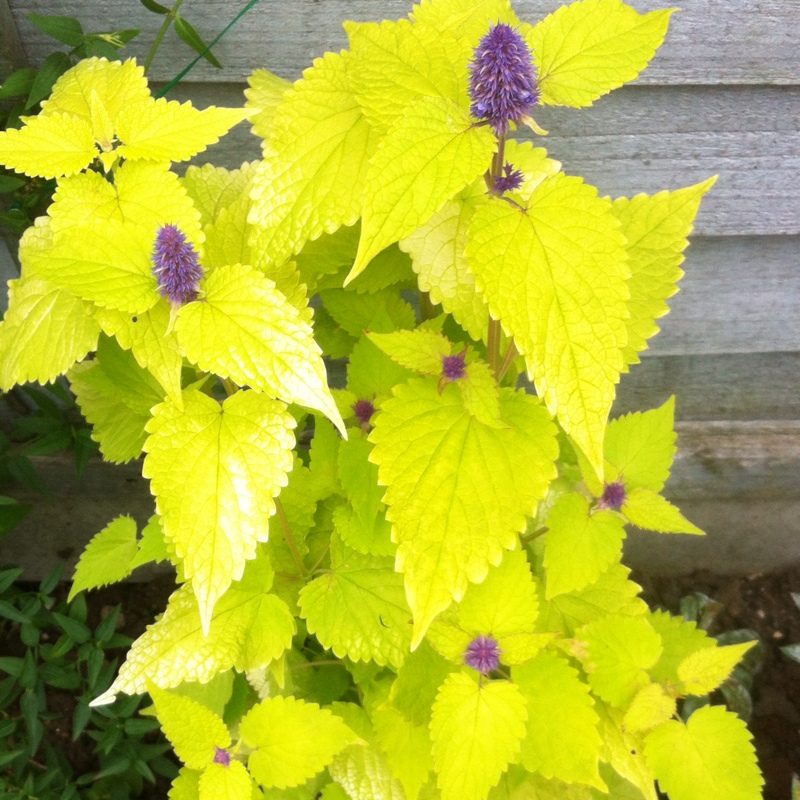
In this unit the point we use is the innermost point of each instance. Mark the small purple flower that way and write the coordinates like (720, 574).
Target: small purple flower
(613, 497)
(503, 84)
(222, 757)
(364, 410)
(176, 266)
(483, 654)
(509, 182)
(453, 367)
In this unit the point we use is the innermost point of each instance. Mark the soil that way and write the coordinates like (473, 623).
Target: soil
(762, 603)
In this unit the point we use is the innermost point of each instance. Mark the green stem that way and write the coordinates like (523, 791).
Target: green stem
(493, 347)
(168, 20)
(531, 536)
(230, 387)
(329, 663)
(493, 341)
(320, 560)
(287, 532)
(509, 357)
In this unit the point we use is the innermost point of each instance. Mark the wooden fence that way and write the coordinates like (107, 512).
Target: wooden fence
(721, 97)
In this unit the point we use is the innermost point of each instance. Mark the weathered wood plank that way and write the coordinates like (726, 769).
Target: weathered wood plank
(739, 481)
(710, 42)
(740, 295)
(762, 386)
(643, 139)
(12, 54)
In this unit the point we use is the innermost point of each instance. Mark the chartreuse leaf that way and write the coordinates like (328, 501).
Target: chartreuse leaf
(505, 603)
(418, 680)
(370, 537)
(704, 670)
(438, 247)
(364, 774)
(214, 695)
(679, 638)
(48, 146)
(107, 558)
(108, 264)
(612, 593)
(394, 63)
(298, 502)
(228, 236)
(390, 268)
(44, 332)
(534, 164)
(371, 374)
(333, 791)
(649, 510)
(586, 49)
(503, 607)
(437, 256)
(324, 452)
(476, 731)
(650, 707)
(246, 330)
(407, 748)
(151, 547)
(143, 193)
(579, 546)
(656, 228)
(639, 447)
(291, 740)
(214, 472)
(153, 344)
(264, 94)
(161, 130)
(381, 312)
(711, 755)
(623, 749)
(362, 525)
(232, 782)
(555, 275)
(452, 524)
(618, 652)
(250, 627)
(562, 740)
(359, 609)
(418, 350)
(186, 786)
(479, 393)
(117, 85)
(212, 189)
(311, 180)
(468, 20)
(430, 154)
(194, 730)
(116, 396)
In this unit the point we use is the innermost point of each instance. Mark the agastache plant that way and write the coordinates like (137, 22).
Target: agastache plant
(408, 585)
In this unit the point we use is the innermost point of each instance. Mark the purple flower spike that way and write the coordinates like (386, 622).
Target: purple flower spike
(613, 496)
(453, 367)
(483, 654)
(176, 266)
(364, 410)
(222, 757)
(503, 84)
(509, 182)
